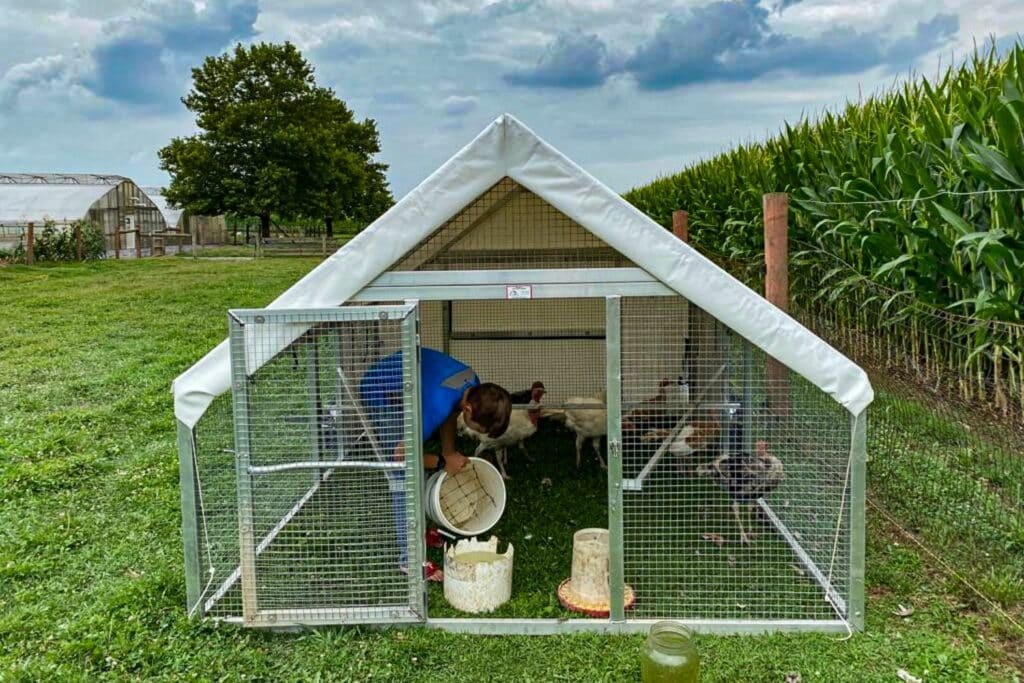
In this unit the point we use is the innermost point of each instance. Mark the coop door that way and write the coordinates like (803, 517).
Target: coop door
(329, 468)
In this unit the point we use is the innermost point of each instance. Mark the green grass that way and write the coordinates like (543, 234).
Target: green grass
(220, 251)
(91, 579)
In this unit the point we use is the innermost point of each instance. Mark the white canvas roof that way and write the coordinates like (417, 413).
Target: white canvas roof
(171, 216)
(508, 148)
(39, 202)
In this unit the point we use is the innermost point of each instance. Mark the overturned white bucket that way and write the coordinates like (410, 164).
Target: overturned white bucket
(469, 502)
(476, 577)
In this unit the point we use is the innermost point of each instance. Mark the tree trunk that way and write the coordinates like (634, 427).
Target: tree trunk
(329, 224)
(264, 225)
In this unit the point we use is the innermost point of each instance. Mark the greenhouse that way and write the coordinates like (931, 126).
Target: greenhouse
(113, 203)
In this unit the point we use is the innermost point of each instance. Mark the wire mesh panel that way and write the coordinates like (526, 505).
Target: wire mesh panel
(326, 410)
(214, 513)
(735, 475)
(510, 227)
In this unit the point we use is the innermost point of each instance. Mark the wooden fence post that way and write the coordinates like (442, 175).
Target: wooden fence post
(117, 241)
(195, 240)
(138, 243)
(681, 225)
(776, 287)
(78, 241)
(30, 247)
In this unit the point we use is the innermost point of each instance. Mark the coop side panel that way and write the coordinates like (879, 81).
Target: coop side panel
(699, 542)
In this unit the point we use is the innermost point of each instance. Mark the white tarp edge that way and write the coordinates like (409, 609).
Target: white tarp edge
(444, 193)
(507, 147)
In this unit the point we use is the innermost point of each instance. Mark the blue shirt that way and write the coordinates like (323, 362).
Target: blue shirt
(443, 381)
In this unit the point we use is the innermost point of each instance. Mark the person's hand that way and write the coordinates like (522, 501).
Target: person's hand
(455, 461)
(400, 452)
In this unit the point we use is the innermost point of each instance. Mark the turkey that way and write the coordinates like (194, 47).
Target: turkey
(745, 477)
(522, 424)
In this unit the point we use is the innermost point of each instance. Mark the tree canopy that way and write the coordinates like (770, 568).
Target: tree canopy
(272, 141)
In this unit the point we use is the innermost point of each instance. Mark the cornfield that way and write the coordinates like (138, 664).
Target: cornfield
(906, 218)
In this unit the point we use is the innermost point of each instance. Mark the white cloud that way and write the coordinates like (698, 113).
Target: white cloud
(430, 74)
(459, 105)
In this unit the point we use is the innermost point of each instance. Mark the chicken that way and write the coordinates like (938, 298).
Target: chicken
(527, 395)
(522, 424)
(588, 423)
(745, 477)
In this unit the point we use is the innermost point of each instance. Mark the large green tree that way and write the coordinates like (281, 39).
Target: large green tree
(272, 141)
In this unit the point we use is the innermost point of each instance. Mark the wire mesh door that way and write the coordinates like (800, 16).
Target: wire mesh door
(326, 407)
(736, 478)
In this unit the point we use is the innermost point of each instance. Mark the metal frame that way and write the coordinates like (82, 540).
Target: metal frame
(240, 404)
(252, 616)
(611, 283)
(858, 519)
(637, 483)
(496, 626)
(189, 518)
(546, 283)
(813, 569)
(414, 464)
(613, 379)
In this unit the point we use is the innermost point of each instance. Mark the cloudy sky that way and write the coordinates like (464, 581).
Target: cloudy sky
(630, 89)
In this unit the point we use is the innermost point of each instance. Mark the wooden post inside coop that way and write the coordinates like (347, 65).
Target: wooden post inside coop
(30, 246)
(776, 287)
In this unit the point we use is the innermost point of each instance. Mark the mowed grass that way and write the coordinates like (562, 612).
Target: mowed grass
(91, 578)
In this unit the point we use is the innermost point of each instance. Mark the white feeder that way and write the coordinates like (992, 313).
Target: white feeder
(477, 578)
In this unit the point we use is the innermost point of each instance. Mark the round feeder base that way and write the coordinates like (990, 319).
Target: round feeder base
(573, 602)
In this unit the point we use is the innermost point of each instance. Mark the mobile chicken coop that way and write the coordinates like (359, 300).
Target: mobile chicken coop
(513, 259)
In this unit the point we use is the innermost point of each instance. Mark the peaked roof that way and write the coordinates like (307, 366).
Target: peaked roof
(508, 148)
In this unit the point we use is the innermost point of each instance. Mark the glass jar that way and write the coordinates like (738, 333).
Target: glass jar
(669, 655)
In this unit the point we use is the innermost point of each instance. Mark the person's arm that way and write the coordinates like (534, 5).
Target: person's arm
(453, 460)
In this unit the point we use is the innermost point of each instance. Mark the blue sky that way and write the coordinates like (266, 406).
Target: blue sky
(630, 90)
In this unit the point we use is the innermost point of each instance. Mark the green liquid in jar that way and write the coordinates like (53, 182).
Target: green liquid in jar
(669, 655)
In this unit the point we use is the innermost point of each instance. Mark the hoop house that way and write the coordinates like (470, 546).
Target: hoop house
(516, 261)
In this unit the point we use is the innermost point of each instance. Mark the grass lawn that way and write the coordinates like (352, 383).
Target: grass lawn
(91, 580)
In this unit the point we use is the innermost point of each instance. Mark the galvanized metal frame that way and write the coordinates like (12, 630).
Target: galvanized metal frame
(613, 379)
(858, 519)
(240, 403)
(544, 627)
(249, 549)
(835, 599)
(492, 626)
(189, 518)
(414, 463)
(548, 283)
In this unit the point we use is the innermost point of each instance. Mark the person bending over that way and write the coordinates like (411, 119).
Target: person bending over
(448, 387)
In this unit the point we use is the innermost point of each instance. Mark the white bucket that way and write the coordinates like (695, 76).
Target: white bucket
(472, 584)
(469, 502)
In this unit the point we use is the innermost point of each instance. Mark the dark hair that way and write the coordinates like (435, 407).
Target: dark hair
(491, 406)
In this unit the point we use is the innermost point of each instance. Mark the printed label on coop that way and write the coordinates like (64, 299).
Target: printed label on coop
(518, 291)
